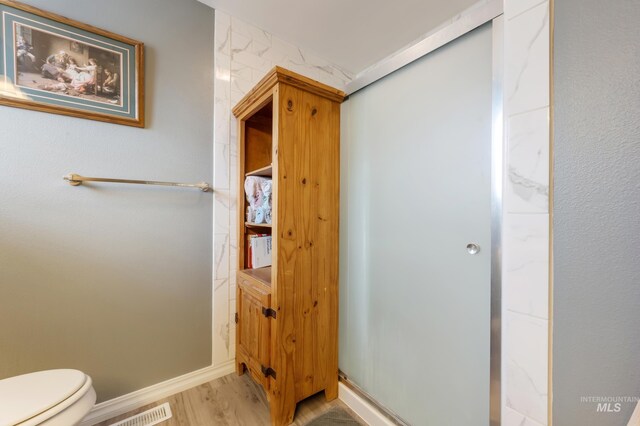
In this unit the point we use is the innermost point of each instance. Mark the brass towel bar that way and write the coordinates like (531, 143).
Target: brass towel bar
(76, 180)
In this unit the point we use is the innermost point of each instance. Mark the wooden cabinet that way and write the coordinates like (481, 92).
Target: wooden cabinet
(289, 130)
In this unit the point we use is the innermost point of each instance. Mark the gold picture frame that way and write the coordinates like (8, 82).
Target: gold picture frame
(54, 64)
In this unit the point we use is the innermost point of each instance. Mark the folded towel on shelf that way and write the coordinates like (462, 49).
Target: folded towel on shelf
(258, 191)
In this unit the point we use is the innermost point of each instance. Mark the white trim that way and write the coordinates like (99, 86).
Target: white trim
(478, 14)
(125, 403)
(367, 412)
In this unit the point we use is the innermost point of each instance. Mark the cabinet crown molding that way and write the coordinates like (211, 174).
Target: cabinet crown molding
(282, 75)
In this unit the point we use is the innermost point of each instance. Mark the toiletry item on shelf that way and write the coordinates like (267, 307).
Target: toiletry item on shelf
(261, 252)
(258, 250)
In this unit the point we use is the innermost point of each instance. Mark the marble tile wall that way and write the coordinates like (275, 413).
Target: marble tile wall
(526, 214)
(243, 55)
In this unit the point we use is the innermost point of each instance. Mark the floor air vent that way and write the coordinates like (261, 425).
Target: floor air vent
(148, 418)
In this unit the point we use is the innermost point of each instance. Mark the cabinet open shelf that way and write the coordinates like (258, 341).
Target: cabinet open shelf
(263, 275)
(263, 171)
(257, 225)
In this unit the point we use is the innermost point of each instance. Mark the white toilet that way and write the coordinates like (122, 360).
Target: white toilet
(51, 398)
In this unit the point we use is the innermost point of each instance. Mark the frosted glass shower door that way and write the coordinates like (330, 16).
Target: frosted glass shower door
(415, 304)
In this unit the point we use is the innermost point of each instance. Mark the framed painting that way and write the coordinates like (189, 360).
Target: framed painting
(53, 64)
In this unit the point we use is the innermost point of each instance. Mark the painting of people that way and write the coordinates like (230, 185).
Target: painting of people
(52, 63)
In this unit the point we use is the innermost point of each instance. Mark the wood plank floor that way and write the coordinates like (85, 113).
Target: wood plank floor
(231, 400)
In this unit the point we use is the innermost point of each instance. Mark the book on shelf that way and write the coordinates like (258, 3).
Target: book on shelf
(259, 251)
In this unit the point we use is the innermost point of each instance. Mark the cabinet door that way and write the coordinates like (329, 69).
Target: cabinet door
(254, 330)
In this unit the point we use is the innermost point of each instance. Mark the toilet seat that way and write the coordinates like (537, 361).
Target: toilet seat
(38, 398)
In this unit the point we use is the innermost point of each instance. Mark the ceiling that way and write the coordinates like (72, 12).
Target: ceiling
(352, 34)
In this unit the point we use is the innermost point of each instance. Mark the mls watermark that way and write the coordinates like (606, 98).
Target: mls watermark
(609, 404)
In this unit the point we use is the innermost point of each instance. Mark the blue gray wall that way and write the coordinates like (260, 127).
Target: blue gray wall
(596, 331)
(113, 280)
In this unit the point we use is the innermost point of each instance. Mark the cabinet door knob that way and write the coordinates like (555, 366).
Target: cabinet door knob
(473, 248)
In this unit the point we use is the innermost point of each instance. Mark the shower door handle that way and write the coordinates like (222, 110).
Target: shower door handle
(473, 248)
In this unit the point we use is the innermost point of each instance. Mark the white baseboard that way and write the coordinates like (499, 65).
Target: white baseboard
(125, 403)
(370, 414)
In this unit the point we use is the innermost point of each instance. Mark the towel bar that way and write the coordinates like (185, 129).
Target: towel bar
(76, 180)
